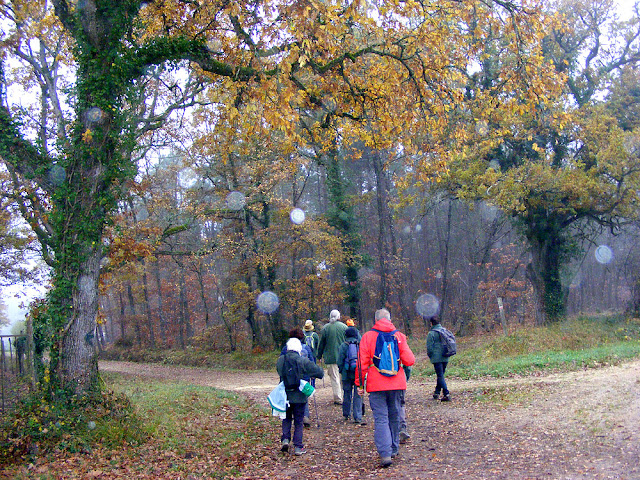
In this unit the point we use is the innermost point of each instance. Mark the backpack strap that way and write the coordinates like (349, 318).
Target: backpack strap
(393, 332)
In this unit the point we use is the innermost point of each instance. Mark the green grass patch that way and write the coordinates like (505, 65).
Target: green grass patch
(189, 417)
(583, 342)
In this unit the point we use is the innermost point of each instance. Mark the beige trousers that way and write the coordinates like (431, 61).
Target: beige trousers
(336, 381)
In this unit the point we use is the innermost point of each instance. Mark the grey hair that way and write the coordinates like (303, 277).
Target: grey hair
(382, 313)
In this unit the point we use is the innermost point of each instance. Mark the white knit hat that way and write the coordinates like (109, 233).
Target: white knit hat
(294, 344)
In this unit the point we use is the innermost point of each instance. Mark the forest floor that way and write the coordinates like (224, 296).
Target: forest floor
(576, 425)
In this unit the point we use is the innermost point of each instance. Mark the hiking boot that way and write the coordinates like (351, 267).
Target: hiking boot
(306, 421)
(404, 436)
(335, 402)
(285, 445)
(446, 398)
(299, 451)
(394, 455)
(346, 418)
(362, 421)
(436, 396)
(385, 462)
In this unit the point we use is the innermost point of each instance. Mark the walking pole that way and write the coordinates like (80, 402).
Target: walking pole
(360, 377)
(315, 403)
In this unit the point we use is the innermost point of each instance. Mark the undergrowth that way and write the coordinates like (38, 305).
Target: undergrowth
(39, 426)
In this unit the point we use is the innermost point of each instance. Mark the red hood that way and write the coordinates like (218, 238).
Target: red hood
(384, 325)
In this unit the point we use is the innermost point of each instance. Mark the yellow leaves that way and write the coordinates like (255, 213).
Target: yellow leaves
(87, 136)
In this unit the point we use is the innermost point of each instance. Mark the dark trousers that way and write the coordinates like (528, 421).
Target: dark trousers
(350, 392)
(441, 384)
(295, 413)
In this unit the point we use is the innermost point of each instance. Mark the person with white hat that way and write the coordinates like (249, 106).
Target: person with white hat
(292, 367)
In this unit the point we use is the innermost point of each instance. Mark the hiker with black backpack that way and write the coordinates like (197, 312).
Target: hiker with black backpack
(347, 361)
(292, 367)
(383, 350)
(306, 352)
(439, 349)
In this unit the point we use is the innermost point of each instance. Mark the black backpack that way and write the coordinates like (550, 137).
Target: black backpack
(448, 340)
(291, 373)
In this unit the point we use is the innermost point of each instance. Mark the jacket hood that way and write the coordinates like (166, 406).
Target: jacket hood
(384, 325)
(351, 332)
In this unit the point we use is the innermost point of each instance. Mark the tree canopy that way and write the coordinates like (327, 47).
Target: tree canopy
(254, 95)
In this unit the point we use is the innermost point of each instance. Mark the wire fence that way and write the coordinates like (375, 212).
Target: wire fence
(16, 370)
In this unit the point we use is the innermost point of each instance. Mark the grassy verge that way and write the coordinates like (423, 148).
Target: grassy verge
(569, 345)
(171, 430)
(189, 417)
(194, 357)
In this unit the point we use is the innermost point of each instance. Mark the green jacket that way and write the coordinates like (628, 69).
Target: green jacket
(434, 345)
(331, 337)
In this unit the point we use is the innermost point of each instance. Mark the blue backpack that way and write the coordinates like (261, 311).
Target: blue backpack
(351, 359)
(386, 357)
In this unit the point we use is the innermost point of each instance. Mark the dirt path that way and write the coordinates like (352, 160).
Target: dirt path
(578, 425)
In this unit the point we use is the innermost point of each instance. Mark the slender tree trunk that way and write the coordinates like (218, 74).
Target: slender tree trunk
(253, 326)
(203, 298)
(136, 321)
(109, 317)
(383, 227)
(184, 308)
(147, 306)
(445, 263)
(122, 316)
(161, 316)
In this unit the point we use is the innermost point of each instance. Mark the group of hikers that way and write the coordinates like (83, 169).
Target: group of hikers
(379, 361)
